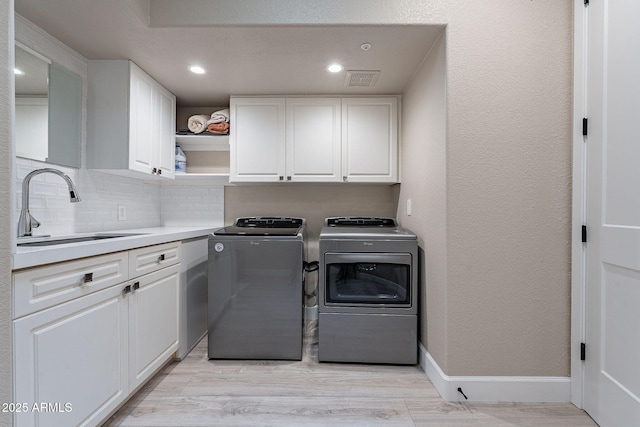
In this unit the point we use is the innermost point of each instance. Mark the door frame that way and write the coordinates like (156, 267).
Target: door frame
(578, 248)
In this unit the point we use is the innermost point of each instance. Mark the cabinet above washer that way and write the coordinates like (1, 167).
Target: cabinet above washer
(314, 139)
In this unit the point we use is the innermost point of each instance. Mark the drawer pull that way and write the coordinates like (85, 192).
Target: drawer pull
(136, 286)
(88, 277)
(161, 258)
(126, 290)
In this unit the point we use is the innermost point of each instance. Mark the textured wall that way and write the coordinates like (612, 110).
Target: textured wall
(424, 181)
(294, 12)
(509, 187)
(6, 167)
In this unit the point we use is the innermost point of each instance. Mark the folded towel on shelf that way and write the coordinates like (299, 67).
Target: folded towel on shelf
(198, 123)
(219, 116)
(218, 128)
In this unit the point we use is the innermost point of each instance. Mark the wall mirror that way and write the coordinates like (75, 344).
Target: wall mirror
(48, 108)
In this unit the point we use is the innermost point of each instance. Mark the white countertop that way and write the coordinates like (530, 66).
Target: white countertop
(32, 256)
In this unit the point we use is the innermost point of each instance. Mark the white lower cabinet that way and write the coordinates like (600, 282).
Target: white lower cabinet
(77, 361)
(71, 361)
(153, 322)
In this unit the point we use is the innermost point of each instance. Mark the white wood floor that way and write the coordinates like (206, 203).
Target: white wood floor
(202, 392)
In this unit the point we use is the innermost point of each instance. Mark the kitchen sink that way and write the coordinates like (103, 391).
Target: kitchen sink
(48, 241)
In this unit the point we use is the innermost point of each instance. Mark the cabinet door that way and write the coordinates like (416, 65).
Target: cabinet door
(166, 127)
(370, 139)
(142, 156)
(257, 139)
(72, 358)
(153, 322)
(313, 139)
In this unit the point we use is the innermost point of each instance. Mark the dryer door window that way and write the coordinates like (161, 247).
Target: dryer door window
(368, 279)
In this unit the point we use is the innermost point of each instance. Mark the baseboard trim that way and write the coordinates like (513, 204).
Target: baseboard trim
(495, 389)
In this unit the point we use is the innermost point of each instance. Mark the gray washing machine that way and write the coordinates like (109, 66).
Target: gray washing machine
(256, 289)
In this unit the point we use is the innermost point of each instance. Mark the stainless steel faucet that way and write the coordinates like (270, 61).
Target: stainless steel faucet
(27, 222)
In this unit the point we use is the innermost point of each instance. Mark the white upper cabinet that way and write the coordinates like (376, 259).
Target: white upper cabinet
(313, 139)
(131, 121)
(257, 139)
(370, 139)
(166, 114)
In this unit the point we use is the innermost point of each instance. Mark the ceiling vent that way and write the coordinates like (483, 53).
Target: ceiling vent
(361, 78)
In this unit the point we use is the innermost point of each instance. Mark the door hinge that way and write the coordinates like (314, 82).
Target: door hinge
(585, 127)
(584, 234)
(583, 351)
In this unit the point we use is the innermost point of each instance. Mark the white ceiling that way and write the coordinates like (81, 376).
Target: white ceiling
(241, 60)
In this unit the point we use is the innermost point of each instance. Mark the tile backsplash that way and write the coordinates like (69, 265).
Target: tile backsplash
(199, 203)
(100, 195)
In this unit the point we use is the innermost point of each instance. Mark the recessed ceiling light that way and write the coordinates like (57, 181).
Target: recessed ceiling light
(18, 72)
(196, 69)
(335, 68)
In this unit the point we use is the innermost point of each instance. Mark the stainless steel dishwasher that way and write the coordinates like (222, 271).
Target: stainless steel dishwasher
(256, 289)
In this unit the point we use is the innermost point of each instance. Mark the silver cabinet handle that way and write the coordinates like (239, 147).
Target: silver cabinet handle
(154, 171)
(288, 178)
(159, 171)
(161, 258)
(281, 178)
(88, 277)
(126, 290)
(136, 286)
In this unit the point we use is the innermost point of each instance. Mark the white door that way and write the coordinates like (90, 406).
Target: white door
(166, 131)
(153, 322)
(612, 365)
(370, 139)
(257, 139)
(142, 157)
(74, 357)
(313, 140)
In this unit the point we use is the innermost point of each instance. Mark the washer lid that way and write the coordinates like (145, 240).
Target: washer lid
(269, 222)
(360, 221)
(263, 226)
(357, 227)
(366, 233)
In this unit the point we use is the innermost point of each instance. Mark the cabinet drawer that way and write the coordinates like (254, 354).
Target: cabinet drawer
(151, 258)
(43, 287)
